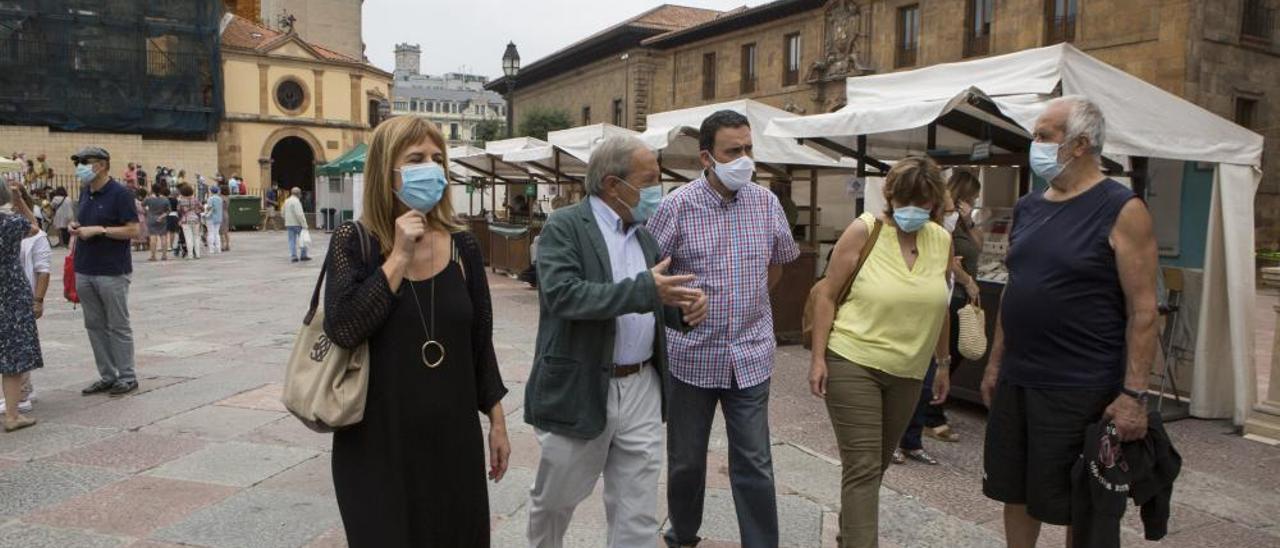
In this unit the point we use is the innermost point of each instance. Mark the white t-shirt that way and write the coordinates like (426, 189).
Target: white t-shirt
(35, 256)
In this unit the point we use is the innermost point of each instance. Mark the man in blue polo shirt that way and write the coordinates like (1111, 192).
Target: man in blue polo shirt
(107, 221)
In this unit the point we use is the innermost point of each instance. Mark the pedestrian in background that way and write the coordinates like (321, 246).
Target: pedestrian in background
(733, 236)
(64, 212)
(157, 209)
(140, 241)
(213, 220)
(20, 345)
(108, 220)
(871, 352)
(189, 213)
(224, 236)
(295, 221)
(411, 283)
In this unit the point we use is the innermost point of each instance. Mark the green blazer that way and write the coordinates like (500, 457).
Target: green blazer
(568, 389)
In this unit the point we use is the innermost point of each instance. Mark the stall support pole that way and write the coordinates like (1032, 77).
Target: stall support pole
(813, 209)
(1138, 174)
(1264, 419)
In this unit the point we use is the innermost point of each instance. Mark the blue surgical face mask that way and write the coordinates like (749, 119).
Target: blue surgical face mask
(85, 173)
(649, 198)
(910, 218)
(422, 186)
(1044, 160)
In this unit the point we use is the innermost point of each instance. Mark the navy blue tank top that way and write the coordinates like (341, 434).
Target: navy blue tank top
(1063, 312)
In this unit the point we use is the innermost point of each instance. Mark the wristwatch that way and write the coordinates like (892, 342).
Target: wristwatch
(1140, 396)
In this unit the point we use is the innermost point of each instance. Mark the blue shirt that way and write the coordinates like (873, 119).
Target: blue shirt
(112, 205)
(215, 209)
(634, 341)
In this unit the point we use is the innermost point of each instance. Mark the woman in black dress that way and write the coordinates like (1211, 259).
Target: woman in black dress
(410, 282)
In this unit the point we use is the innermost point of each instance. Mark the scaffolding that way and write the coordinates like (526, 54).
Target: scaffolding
(145, 67)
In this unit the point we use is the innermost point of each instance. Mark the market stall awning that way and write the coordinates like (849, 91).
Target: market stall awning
(350, 162)
(568, 150)
(675, 135)
(7, 164)
(490, 162)
(1142, 119)
(459, 173)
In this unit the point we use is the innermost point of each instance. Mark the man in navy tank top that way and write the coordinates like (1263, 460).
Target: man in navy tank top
(1076, 334)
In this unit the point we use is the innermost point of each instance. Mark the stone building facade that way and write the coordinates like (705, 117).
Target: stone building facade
(1223, 55)
(291, 105)
(457, 103)
(333, 24)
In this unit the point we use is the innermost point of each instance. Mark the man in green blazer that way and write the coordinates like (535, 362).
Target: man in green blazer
(595, 396)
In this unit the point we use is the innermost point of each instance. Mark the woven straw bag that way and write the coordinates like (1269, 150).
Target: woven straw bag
(973, 332)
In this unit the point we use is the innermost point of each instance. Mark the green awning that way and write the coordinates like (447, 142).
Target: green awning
(351, 162)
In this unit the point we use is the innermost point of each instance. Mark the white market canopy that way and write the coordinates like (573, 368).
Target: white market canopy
(567, 151)
(490, 163)
(675, 135)
(458, 172)
(1142, 120)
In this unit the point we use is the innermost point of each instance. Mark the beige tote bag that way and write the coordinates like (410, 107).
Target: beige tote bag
(973, 332)
(325, 385)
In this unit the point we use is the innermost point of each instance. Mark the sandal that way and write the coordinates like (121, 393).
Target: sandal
(942, 433)
(920, 455)
(898, 457)
(18, 424)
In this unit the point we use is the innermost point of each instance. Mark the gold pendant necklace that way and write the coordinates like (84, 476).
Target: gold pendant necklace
(431, 343)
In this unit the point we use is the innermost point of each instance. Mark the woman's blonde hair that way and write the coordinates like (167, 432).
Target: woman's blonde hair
(381, 207)
(964, 186)
(915, 180)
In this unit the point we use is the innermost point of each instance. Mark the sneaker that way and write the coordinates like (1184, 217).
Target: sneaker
(24, 406)
(97, 387)
(305, 258)
(293, 260)
(121, 388)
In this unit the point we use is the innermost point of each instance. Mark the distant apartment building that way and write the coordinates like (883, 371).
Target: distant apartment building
(457, 103)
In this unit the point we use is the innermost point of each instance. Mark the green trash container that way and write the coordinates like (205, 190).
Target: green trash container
(246, 212)
(347, 215)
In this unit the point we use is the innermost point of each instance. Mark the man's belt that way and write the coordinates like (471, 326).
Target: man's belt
(628, 370)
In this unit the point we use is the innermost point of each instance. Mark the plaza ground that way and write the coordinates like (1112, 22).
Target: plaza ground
(205, 455)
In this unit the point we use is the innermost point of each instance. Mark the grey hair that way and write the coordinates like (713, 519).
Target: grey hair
(612, 157)
(1084, 118)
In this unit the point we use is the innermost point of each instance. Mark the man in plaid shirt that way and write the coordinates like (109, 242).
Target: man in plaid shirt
(734, 237)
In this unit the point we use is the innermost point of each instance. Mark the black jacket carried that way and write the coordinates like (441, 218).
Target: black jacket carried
(1109, 473)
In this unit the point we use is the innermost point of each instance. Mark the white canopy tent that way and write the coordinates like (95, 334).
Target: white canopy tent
(567, 151)
(892, 112)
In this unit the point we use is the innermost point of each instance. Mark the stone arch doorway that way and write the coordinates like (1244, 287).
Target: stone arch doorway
(293, 164)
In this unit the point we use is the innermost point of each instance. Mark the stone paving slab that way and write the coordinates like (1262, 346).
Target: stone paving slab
(27, 535)
(130, 452)
(909, 522)
(808, 476)
(313, 477)
(233, 463)
(266, 398)
(133, 507)
(180, 349)
(262, 518)
(289, 431)
(1228, 500)
(49, 439)
(36, 485)
(512, 493)
(213, 422)
(799, 519)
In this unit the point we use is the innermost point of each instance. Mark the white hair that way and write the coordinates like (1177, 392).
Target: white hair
(1084, 118)
(612, 157)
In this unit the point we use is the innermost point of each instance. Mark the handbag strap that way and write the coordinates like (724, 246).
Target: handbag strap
(315, 295)
(862, 259)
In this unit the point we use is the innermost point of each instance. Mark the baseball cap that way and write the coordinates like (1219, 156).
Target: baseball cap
(91, 153)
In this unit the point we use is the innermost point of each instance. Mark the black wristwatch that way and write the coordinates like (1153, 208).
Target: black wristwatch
(1140, 396)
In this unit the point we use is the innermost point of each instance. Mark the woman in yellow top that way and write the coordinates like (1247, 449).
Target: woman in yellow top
(879, 341)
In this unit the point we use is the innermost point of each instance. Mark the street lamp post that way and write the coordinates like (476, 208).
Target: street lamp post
(510, 68)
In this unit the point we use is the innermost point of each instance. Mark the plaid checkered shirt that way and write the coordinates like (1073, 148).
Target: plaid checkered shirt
(729, 245)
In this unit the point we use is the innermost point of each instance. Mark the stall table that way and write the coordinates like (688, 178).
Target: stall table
(479, 226)
(509, 247)
(789, 295)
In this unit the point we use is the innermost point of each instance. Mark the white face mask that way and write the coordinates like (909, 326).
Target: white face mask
(950, 220)
(736, 174)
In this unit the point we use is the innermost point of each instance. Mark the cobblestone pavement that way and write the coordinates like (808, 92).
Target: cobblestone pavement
(205, 455)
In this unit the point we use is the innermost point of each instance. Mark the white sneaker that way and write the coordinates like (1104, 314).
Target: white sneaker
(24, 406)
